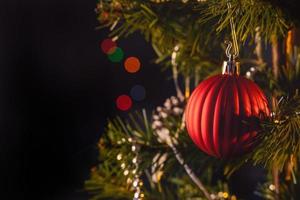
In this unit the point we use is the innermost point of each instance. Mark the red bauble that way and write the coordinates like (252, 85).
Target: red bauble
(223, 113)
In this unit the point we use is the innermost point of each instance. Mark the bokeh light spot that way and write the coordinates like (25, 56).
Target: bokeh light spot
(108, 46)
(138, 92)
(132, 64)
(124, 102)
(117, 55)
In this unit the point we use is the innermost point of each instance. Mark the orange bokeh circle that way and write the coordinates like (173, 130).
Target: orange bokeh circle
(132, 64)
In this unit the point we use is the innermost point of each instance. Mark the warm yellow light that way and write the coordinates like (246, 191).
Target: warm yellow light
(225, 195)
(272, 187)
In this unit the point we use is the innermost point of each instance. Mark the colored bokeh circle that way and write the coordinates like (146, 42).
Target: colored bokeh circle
(124, 102)
(138, 93)
(117, 55)
(108, 46)
(132, 64)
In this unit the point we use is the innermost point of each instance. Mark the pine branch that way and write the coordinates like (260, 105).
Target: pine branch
(248, 15)
(280, 136)
(258, 47)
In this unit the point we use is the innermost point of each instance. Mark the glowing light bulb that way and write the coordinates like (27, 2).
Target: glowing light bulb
(133, 148)
(225, 195)
(119, 156)
(136, 195)
(126, 172)
(129, 181)
(134, 160)
(135, 183)
(248, 74)
(123, 165)
(220, 194)
(272, 187)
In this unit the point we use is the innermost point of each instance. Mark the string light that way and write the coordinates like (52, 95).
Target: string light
(134, 171)
(251, 72)
(119, 156)
(126, 172)
(133, 148)
(123, 165)
(136, 195)
(135, 183)
(129, 180)
(225, 195)
(272, 187)
(248, 74)
(134, 160)
(213, 196)
(220, 194)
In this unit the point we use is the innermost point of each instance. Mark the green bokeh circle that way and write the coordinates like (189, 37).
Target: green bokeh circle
(116, 56)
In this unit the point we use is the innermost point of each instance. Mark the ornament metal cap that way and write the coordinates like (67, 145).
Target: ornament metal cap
(231, 67)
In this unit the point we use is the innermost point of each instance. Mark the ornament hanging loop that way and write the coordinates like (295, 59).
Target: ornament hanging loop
(235, 45)
(231, 67)
(229, 49)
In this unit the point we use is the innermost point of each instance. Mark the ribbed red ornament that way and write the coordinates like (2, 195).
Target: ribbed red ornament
(222, 115)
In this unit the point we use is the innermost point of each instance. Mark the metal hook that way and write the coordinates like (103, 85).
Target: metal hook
(228, 50)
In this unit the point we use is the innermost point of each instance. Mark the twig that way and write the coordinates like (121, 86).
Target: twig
(187, 87)
(275, 69)
(275, 173)
(275, 56)
(175, 79)
(188, 170)
(258, 47)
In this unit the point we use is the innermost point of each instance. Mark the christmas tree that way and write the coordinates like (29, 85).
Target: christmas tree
(154, 154)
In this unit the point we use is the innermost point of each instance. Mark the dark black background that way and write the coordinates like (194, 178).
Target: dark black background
(56, 91)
